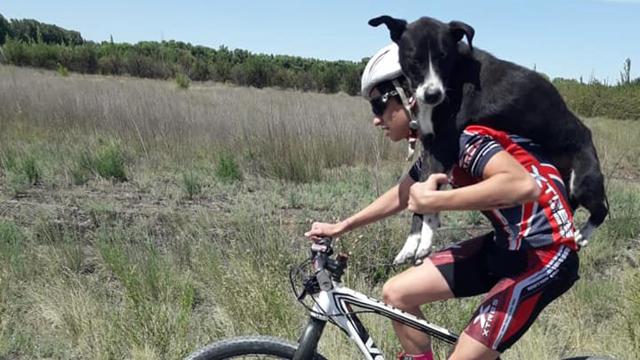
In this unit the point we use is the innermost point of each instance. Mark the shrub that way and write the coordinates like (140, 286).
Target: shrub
(110, 162)
(227, 168)
(183, 81)
(191, 184)
(62, 71)
(17, 182)
(30, 169)
(8, 160)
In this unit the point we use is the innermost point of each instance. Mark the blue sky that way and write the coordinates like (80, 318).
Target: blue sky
(562, 38)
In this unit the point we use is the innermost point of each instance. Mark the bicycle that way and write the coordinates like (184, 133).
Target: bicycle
(332, 302)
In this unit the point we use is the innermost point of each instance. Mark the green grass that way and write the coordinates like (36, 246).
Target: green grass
(128, 269)
(192, 184)
(227, 168)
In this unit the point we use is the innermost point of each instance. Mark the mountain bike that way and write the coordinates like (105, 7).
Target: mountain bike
(331, 302)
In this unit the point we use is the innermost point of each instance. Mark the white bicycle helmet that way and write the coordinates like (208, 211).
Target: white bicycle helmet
(383, 66)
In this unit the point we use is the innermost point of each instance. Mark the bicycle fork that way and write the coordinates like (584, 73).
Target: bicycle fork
(308, 342)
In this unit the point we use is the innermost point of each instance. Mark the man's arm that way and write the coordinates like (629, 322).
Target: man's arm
(505, 183)
(389, 203)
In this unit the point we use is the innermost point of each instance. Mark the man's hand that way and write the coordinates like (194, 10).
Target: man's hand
(319, 230)
(421, 194)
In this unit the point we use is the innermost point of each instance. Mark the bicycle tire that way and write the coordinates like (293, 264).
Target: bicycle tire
(243, 347)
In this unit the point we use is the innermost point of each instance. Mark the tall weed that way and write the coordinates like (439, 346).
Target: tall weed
(192, 184)
(110, 161)
(227, 168)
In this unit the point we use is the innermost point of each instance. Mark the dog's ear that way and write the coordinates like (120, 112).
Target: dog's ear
(396, 26)
(460, 29)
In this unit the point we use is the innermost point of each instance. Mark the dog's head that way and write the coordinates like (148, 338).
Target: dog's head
(428, 52)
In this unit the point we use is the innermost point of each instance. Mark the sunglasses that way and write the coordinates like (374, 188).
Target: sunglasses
(379, 103)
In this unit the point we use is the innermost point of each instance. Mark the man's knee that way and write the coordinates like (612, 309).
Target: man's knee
(394, 294)
(391, 293)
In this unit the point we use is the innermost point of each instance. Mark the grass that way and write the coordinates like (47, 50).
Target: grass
(96, 267)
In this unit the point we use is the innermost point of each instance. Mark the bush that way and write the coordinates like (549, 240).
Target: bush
(30, 169)
(183, 81)
(62, 71)
(227, 168)
(599, 100)
(110, 162)
(191, 184)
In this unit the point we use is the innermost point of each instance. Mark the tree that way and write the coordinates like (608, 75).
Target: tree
(5, 29)
(625, 74)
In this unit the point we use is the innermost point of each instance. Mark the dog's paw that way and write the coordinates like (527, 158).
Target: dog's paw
(408, 250)
(580, 240)
(414, 248)
(583, 235)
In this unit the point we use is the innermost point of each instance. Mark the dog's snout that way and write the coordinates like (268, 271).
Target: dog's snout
(432, 96)
(431, 93)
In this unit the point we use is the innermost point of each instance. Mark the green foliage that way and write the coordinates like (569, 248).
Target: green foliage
(5, 29)
(62, 71)
(596, 99)
(29, 30)
(632, 296)
(8, 160)
(39, 45)
(227, 169)
(191, 184)
(110, 162)
(11, 243)
(183, 81)
(22, 172)
(82, 169)
(29, 167)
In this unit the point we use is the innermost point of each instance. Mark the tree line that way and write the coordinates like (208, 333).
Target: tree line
(31, 43)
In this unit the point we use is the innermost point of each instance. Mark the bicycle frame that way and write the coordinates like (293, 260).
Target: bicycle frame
(336, 305)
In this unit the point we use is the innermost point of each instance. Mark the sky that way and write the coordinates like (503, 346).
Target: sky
(561, 38)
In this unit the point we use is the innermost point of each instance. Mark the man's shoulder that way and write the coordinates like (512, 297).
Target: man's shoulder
(471, 130)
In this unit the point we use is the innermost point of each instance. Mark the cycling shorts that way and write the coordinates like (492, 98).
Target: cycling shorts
(517, 284)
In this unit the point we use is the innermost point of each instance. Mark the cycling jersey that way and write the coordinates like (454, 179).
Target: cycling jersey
(547, 221)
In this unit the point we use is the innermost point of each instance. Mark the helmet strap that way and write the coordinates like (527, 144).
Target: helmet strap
(413, 123)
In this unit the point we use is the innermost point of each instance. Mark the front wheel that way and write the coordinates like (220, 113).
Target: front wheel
(250, 347)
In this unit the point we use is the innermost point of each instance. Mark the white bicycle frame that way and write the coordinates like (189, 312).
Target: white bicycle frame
(337, 305)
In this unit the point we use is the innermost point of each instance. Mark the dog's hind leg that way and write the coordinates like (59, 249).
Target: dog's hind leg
(586, 187)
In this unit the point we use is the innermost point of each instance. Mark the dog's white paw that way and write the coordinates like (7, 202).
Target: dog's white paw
(582, 236)
(409, 250)
(418, 246)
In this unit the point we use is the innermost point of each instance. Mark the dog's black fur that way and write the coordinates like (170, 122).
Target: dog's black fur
(483, 89)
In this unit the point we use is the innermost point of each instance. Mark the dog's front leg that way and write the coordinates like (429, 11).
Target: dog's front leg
(418, 243)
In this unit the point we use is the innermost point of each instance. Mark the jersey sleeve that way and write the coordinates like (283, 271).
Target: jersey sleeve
(476, 149)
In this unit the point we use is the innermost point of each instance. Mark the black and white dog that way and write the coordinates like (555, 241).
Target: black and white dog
(456, 84)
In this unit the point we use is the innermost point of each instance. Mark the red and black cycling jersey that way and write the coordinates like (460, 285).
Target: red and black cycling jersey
(536, 224)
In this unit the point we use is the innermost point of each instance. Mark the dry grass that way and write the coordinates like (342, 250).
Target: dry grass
(272, 131)
(178, 256)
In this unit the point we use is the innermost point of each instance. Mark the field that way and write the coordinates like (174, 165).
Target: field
(141, 220)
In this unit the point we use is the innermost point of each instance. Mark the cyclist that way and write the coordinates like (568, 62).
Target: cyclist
(529, 259)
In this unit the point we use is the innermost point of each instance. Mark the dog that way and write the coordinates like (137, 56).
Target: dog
(456, 85)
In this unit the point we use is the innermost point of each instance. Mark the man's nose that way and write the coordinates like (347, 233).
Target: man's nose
(377, 120)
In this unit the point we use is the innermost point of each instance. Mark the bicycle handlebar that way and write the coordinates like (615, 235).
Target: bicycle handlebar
(327, 268)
